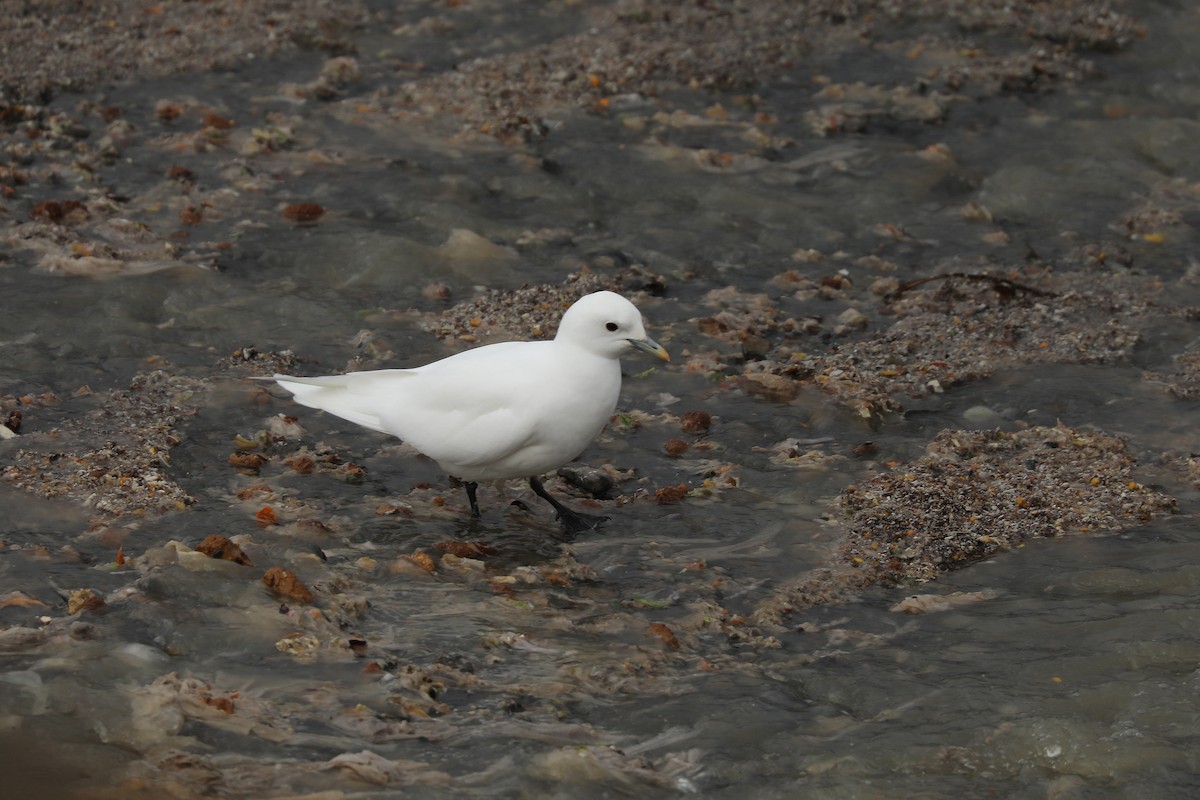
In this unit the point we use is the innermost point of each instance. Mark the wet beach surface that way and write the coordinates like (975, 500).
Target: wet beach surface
(912, 511)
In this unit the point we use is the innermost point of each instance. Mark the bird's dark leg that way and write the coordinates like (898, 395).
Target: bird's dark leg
(571, 521)
(471, 486)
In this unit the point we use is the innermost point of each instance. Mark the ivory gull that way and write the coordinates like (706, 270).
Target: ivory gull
(509, 410)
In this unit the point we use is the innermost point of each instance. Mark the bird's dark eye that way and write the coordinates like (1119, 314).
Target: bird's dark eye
(612, 326)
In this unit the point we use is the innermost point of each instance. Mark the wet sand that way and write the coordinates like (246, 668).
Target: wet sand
(907, 334)
(631, 52)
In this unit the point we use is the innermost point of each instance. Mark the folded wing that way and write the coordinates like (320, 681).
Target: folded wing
(447, 414)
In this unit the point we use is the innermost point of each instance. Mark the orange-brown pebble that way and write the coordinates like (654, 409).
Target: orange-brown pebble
(666, 634)
(435, 291)
(461, 549)
(422, 560)
(248, 461)
(84, 600)
(250, 491)
(217, 546)
(302, 464)
(351, 473)
(58, 211)
(695, 422)
(671, 494)
(284, 582)
(221, 702)
(675, 447)
(303, 212)
(217, 121)
(167, 111)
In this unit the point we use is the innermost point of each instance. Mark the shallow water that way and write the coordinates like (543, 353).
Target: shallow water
(1075, 674)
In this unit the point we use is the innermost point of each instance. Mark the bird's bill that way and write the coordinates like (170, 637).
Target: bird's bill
(651, 346)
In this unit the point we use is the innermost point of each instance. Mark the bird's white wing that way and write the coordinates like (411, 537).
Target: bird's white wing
(474, 408)
(458, 438)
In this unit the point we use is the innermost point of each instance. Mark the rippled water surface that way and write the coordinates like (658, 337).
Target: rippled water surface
(610, 665)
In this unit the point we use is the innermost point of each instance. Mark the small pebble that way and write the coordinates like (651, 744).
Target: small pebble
(695, 422)
(595, 482)
(675, 447)
(285, 583)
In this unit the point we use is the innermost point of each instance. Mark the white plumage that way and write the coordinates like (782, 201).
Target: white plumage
(511, 410)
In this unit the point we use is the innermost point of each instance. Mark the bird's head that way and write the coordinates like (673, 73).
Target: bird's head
(607, 324)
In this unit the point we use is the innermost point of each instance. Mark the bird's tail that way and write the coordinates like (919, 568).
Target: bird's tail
(332, 394)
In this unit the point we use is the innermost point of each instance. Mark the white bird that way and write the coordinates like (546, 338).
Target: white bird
(509, 410)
